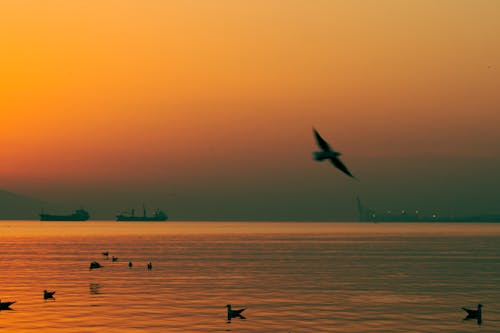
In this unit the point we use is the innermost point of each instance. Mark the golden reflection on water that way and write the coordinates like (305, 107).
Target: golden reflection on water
(107, 228)
(298, 277)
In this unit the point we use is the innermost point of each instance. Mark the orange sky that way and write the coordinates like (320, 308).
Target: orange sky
(183, 92)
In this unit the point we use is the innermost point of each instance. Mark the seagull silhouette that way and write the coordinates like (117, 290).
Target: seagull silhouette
(95, 264)
(234, 313)
(48, 294)
(474, 314)
(327, 153)
(6, 305)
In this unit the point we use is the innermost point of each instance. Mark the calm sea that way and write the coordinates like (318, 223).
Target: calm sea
(292, 277)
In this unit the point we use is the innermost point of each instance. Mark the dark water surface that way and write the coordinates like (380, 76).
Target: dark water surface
(293, 277)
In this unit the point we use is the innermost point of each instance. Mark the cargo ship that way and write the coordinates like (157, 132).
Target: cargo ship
(78, 215)
(158, 216)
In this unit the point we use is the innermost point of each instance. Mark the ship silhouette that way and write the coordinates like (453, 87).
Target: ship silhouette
(78, 215)
(158, 216)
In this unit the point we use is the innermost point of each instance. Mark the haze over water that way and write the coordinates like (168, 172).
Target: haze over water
(293, 277)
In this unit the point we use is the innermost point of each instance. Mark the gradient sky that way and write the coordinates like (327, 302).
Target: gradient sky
(205, 108)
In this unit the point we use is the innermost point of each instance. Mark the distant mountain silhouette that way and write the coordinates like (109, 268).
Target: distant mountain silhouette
(18, 207)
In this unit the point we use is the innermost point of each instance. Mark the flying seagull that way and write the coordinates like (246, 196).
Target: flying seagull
(327, 153)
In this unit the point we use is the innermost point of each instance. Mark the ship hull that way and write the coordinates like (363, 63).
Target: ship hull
(120, 218)
(78, 215)
(44, 217)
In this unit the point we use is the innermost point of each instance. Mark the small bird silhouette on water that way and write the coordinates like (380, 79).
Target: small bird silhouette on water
(113, 259)
(106, 254)
(150, 266)
(6, 305)
(474, 314)
(327, 153)
(130, 264)
(95, 264)
(48, 294)
(234, 313)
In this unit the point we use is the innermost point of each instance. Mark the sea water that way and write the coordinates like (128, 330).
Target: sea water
(291, 277)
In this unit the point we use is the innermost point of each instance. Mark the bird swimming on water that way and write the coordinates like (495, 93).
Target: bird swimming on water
(327, 153)
(48, 294)
(113, 259)
(234, 313)
(150, 266)
(6, 305)
(474, 314)
(130, 264)
(95, 264)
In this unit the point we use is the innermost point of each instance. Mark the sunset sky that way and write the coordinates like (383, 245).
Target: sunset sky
(206, 108)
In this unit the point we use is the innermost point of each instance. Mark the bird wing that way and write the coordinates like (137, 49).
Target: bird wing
(339, 165)
(237, 312)
(321, 142)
